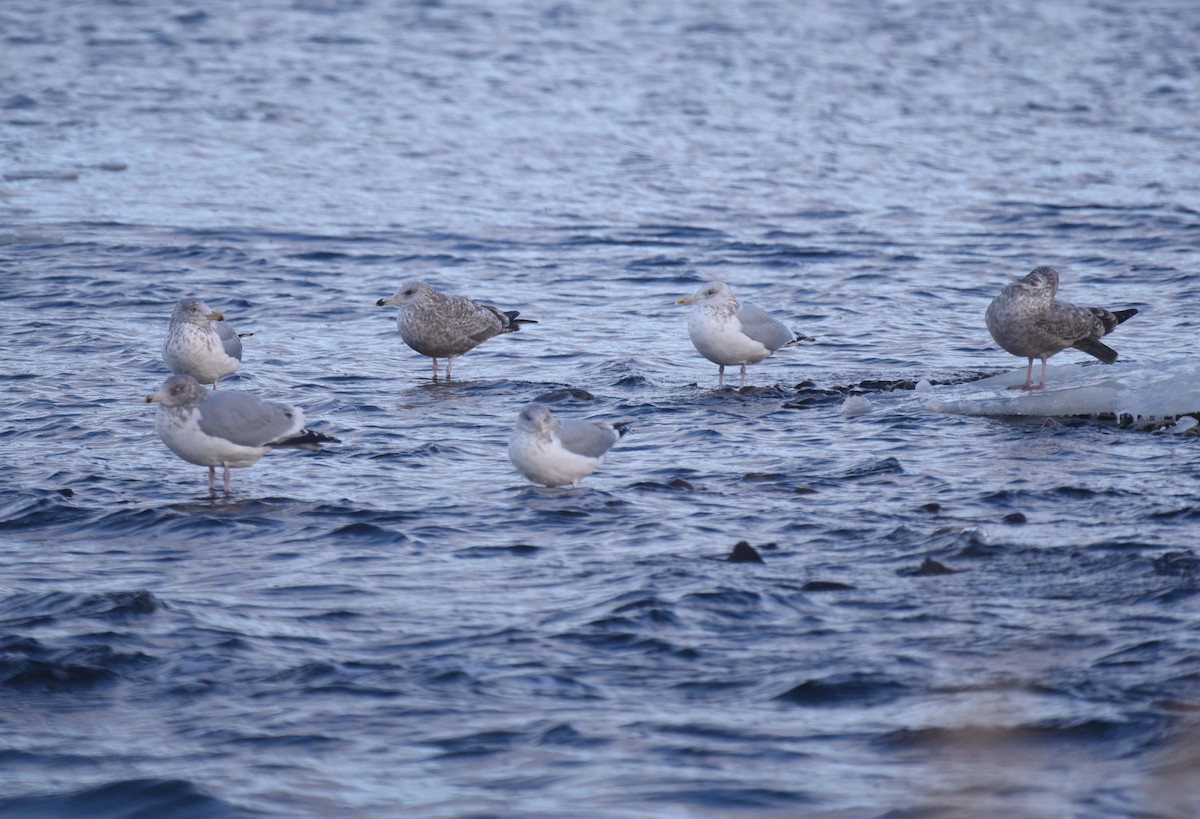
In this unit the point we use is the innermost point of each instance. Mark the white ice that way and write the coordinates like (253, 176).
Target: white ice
(1144, 391)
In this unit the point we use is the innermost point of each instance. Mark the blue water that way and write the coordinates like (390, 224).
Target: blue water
(399, 625)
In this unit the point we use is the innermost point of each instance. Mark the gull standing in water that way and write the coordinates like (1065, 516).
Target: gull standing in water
(1026, 320)
(200, 343)
(554, 452)
(727, 332)
(227, 428)
(441, 325)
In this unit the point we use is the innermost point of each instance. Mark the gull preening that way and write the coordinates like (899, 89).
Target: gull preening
(200, 343)
(441, 325)
(1026, 320)
(554, 452)
(228, 428)
(729, 333)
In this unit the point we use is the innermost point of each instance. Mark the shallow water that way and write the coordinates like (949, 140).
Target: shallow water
(399, 624)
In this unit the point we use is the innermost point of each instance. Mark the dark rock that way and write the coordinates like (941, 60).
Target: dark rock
(932, 506)
(680, 483)
(928, 568)
(743, 552)
(1015, 517)
(825, 585)
(1179, 563)
(555, 396)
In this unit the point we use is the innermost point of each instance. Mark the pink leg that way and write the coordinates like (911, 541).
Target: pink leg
(720, 375)
(212, 480)
(1042, 385)
(1028, 385)
(227, 479)
(435, 371)
(449, 361)
(743, 376)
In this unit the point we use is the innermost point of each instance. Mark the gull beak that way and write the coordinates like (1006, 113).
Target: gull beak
(686, 300)
(388, 300)
(158, 396)
(215, 316)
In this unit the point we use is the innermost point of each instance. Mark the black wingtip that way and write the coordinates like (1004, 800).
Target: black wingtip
(1094, 348)
(622, 427)
(515, 323)
(1123, 315)
(307, 439)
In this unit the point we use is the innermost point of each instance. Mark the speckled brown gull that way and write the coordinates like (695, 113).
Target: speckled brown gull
(1026, 320)
(200, 343)
(441, 325)
(227, 428)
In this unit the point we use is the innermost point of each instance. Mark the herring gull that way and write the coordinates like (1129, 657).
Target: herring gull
(441, 325)
(554, 452)
(727, 332)
(1026, 320)
(227, 428)
(200, 343)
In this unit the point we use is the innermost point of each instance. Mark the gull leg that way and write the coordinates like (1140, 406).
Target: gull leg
(743, 376)
(1028, 385)
(720, 375)
(1042, 385)
(435, 370)
(212, 480)
(449, 361)
(226, 479)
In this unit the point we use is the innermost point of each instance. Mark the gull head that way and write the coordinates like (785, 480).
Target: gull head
(195, 311)
(179, 391)
(1041, 279)
(536, 418)
(408, 294)
(711, 293)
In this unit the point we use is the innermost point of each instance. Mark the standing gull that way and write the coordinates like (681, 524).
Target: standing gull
(727, 332)
(1026, 320)
(200, 343)
(227, 428)
(440, 325)
(555, 452)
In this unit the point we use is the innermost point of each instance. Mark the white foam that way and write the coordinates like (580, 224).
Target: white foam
(856, 405)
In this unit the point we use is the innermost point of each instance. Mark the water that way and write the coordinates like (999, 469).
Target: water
(399, 625)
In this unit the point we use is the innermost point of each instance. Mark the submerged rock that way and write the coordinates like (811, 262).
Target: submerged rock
(826, 585)
(743, 552)
(928, 568)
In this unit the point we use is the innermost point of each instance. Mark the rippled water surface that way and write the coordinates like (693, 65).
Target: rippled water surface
(954, 616)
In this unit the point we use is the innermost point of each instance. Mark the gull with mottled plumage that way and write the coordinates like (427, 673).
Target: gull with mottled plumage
(200, 343)
(554, 452)
(228, 428)
(1027, 320)
(728, 332)
(441, 325)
